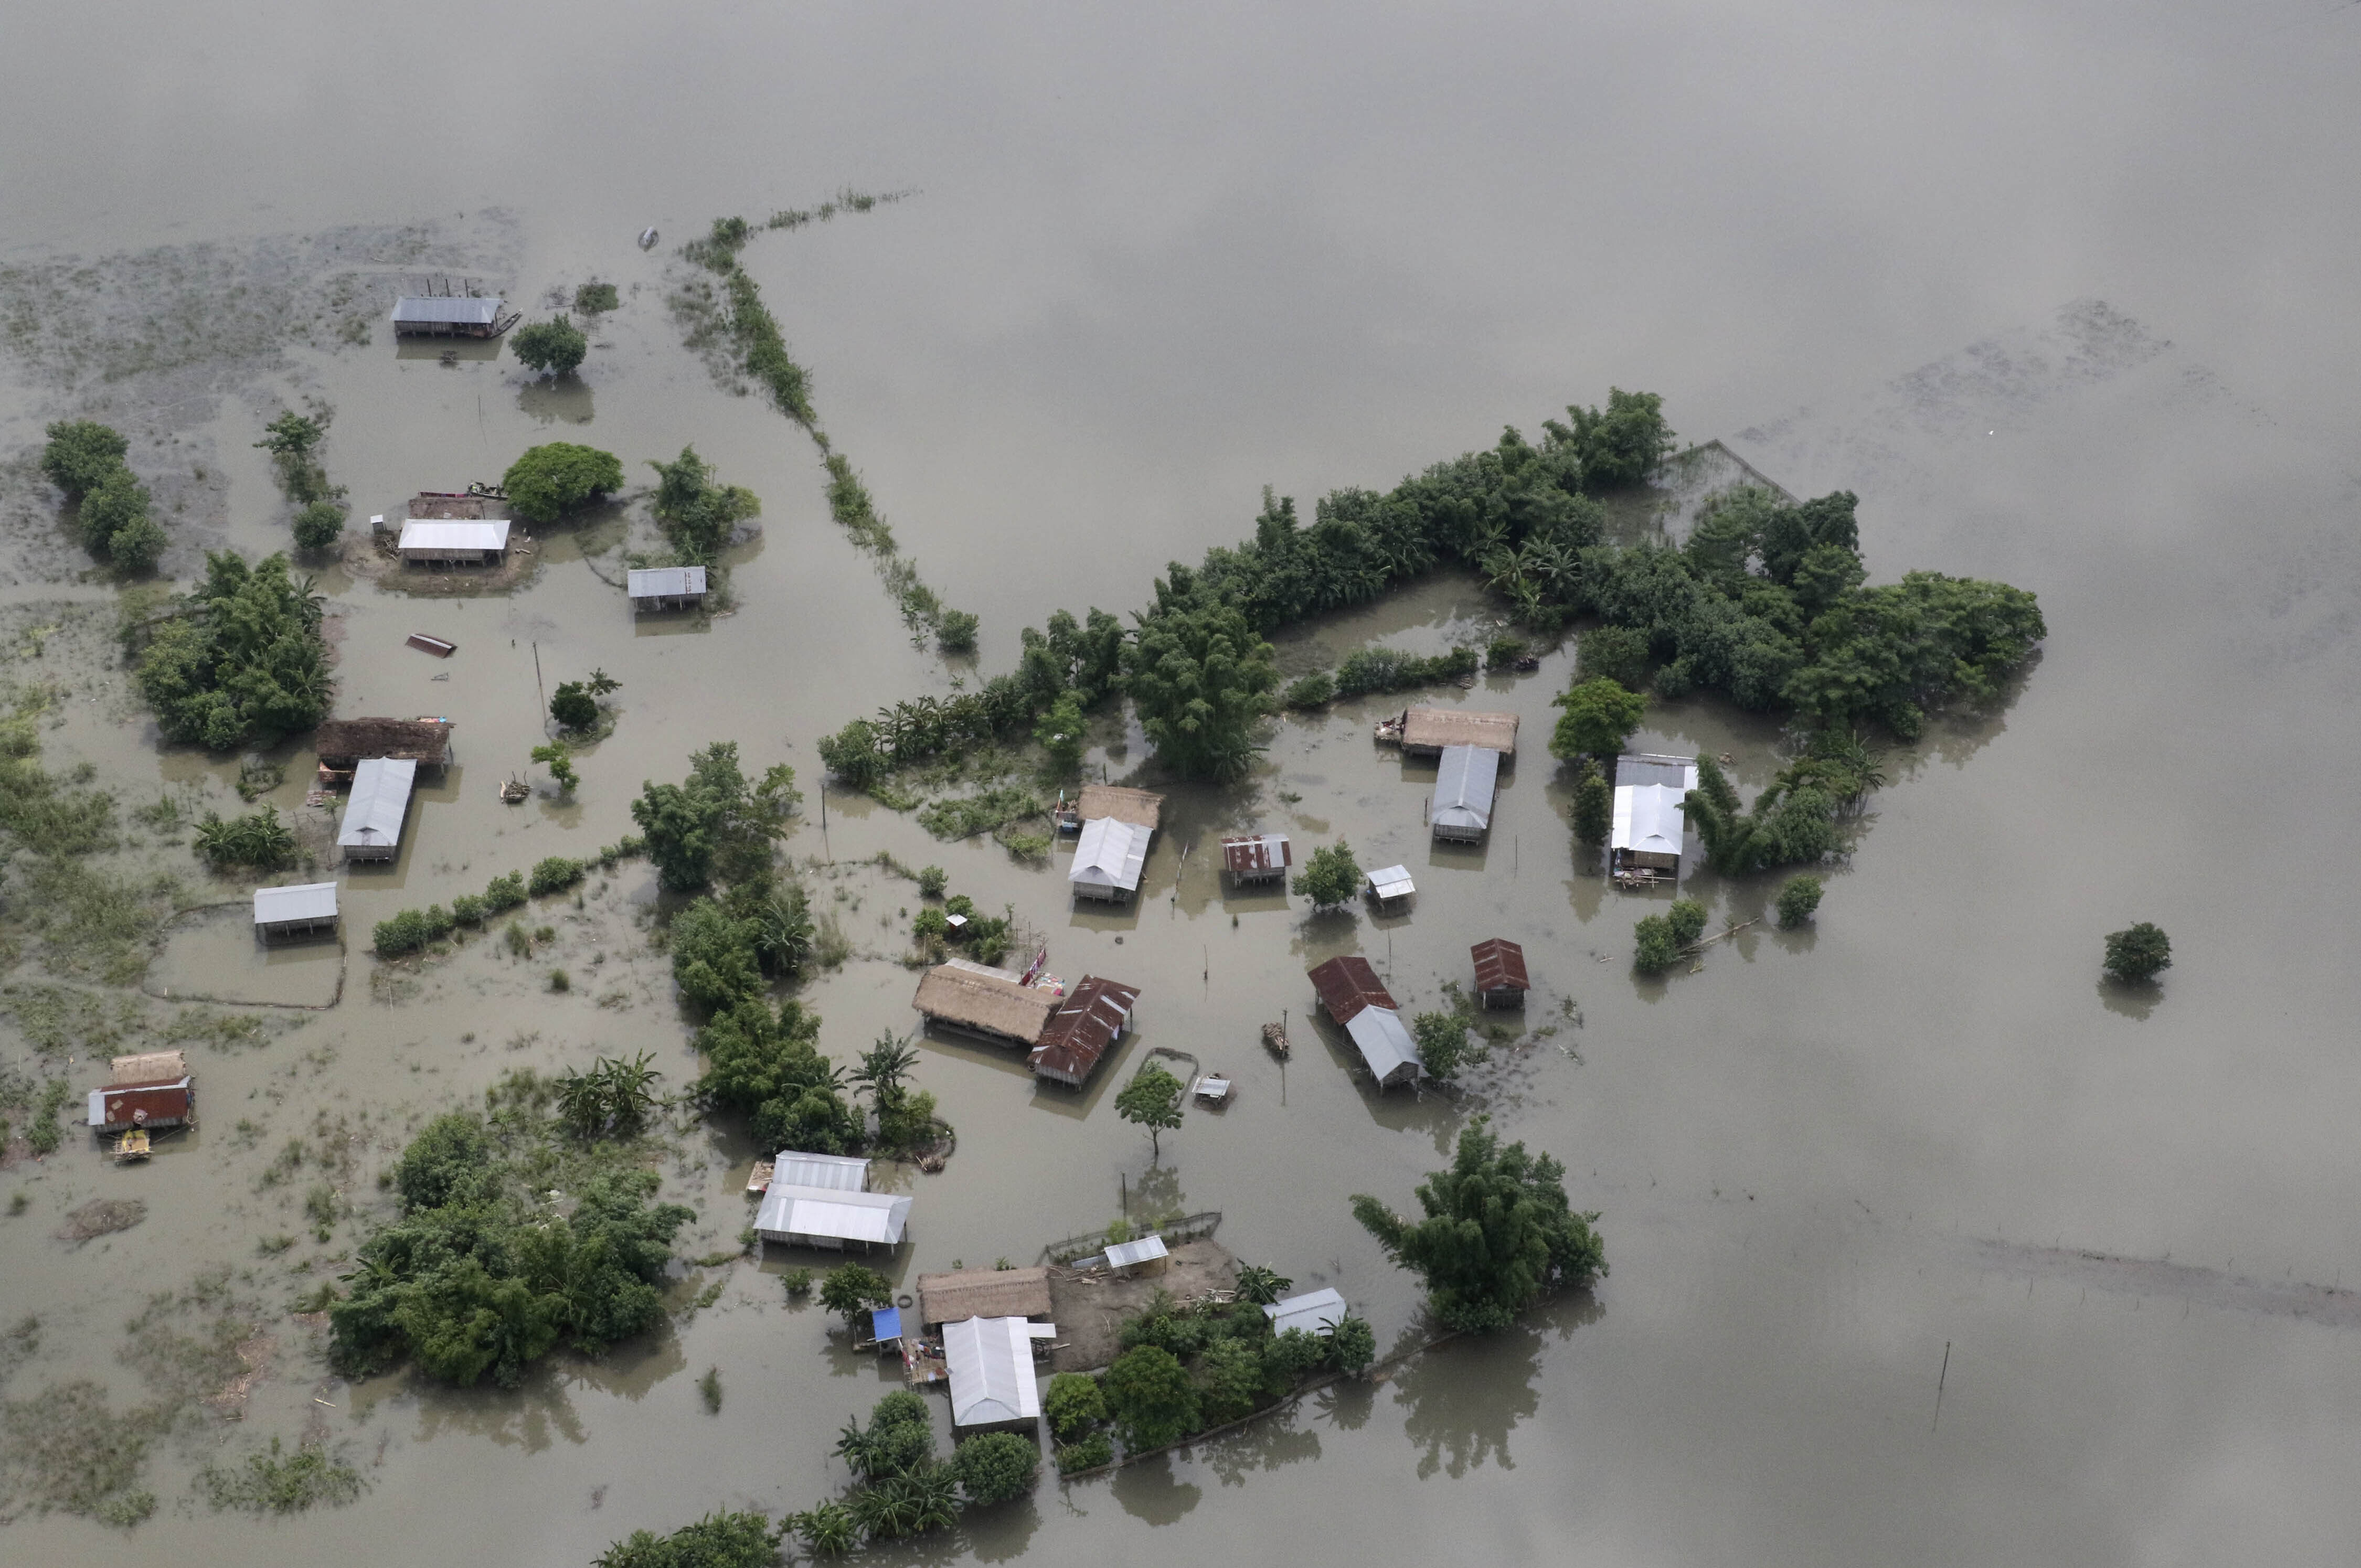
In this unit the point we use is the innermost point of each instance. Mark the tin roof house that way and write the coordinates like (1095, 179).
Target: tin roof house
(1644, 844)
(831, 1217)
(992, 1375)
(149, 1090)
(1501, 978)
(1256, 858)
(1089, 1020)
(1314, 1312)
(666, 588)
(454, 542)
(1108, 859)
(308, 909)
(376, 809)
(1460, 811)
(444, 315)
(1351, 994)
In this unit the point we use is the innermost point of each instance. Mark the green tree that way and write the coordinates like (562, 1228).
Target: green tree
(697, 514)
(1594, 804)
(1685, 920)
(1151, 1398)
(1600, 717)
(293, 435)
(1262, 1286)
(1621, 446)
(552, 479)
(716, 823)
(318, 525)
(81, 453)
(1655, 947)
(1330, 877)
(1230, 1377)
(1199, 676)
(850, 1289)
(1074, 1405)
(553, 348)
(955, 632)
(853, 755)
(559, 759)
(115, 503)
(1063, 732)
(1353, 1344)
(826, 1529)
(1497, 1233)
(1151, 1100)
(717, 1540)
(884, 1069)
(1797, 899)
(995, 1466)
(1617, 653)
(1442, 1043)
(574, 708)
(137, 545)
(2138, 952)
(242, 657)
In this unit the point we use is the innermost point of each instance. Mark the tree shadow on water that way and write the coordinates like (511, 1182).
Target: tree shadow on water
(1149, 1491)
(527, 1418)
(2133, 999)
(1463, 1397)
(1265, 1444)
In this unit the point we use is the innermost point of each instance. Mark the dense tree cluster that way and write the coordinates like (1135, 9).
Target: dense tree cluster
(715, 825)
(901, 1489)
(552, 479)
(766, 1063)
(1184, 1369)
(85, 459)
(2138, 952)
(485, 1269)
(1794, 821)
(697, 513)
(242, 658)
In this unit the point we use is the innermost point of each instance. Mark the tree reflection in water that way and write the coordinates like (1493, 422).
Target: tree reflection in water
(1466, 1396)
(1148, 1490)
(1265, 1444)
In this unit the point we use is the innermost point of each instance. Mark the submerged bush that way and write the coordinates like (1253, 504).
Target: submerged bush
(1797, 899)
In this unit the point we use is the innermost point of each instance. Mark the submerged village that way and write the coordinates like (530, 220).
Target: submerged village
(549, 1219)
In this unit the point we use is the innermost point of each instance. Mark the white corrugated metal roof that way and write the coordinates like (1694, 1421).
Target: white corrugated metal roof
(1463, 788)
(430, 533)
(991, 1366)
(1385, 1043)
(664, 582)
(1109, 854)
(97, 1108)
(1648, 818)
(306, 900)
(1123, 1255)
(1314, 1312)
(1393, 881)
(442, 309)
(789, 1210)
(379, 800)
(833, 1172)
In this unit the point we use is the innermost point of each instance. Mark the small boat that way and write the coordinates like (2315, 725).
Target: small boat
(441, 647)
(648, 237)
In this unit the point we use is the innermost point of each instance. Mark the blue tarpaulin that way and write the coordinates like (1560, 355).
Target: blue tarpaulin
(885, 1324)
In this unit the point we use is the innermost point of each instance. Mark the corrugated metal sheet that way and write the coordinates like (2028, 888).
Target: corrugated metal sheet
(379, 801)
(1256, 854)
(305, 901)
(1315, 1312)
(1391, 882)
(1109, 856)
(664, 582)
(446, 311)
(140, 1105)
(1123, 1255)
(1385, 1045)
(1648, 818)
(1463, 789)
(1090, 1019)
(1654, 768)
(831, 1172)
(1349, 985)
(428, 536)
(822, 1213)
(1499, 965)
(992, 1375)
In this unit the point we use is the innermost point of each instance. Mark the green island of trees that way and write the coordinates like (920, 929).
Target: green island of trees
(85, 459)
(1330, 877)
(238, 657)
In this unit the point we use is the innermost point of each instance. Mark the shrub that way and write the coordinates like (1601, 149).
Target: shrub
(955, 632)
(504, 892)
(1074, 1405)
(1089, 1453)
(718, 1541)
(1503, 652)
(553, 348)
(995, 1466)
(1151, 1398)
(468, 909)
(1441, 1042)
(1352, 1343)
(1594, 804)
(560, 980)
(2138, 952)
(258, 839)
(554, 875)
(319, 525)
(405, 933)
(932, 880)
(1655, 949)
(1309, 691)
(799, 1283)
(137, 545)
(1687, 918)
(574, 708)
(1797, 900)
(596, 299)
(115, 503)
(853, 755)
(80, 454)
(1293, 1355)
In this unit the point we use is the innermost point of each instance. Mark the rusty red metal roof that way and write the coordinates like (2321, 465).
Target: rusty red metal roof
(121, 1105)
(1347, 985)
(1500, 966)
(1257, 853)
(1085, 1023)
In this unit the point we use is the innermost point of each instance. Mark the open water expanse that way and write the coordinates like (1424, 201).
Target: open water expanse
(2064, 292)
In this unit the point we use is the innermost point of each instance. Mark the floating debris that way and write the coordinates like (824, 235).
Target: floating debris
(435, 645)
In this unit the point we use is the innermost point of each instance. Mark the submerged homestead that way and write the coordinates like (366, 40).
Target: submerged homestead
(1314, 1312)
(666, 588)
(1347, 985)
(454, 542)
(983, 1293)
(1460, 811)
(1644, 844)
(992, 1375)
(307, 909)
(1391, 888)
(1108, 859)
(441, 315)
(376, 810)
(1351, 994)
(342, 743)
(994, 1005)
(1501, 978)
(1426, 731)
(1256, 858)
(828, 1206)
(148, 1090)
(1089, 1020)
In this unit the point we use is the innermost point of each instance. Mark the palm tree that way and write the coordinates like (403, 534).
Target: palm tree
(884, 1067)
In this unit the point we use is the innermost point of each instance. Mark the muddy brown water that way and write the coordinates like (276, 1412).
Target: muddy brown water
(1149, 268)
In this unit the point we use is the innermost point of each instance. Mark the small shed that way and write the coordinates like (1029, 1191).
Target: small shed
(828, 1217)
(1392, 888)
(119, 1107)
(1108, 859)
(444, 315)
(992, 1375)
(1256, 858)
(970, 1000)
(1461, 808)
(437, 542)
(1501, 978)
(1347, 984)
(666, 588)
(1087, 1021)
(1314, 1312)
(1148, 1254)
(1140, 807)
(832, 1172)
(307, 909)
(1386, 1047)
(885, 1325)
(342, 743)
(376, 809)
(1425, 731)
(983, 1293)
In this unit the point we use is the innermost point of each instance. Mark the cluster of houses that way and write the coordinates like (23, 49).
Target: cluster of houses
(1348, 990)
(1064, 1032)
(454, 528)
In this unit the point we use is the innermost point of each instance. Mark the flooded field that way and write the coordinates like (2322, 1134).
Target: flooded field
(1926, 1245)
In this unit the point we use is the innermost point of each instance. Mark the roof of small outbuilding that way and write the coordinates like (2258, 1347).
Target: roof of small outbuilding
(1347, 984)
(1500, 965)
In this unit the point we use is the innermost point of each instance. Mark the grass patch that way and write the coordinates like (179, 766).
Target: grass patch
(964, 817)
(272, 1481)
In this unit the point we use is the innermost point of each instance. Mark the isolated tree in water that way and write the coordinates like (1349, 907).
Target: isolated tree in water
(1151, 1100)
(1330, 877)
(553, 348)
(2138, 952)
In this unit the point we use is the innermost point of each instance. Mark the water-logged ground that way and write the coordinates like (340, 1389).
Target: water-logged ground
(1145, 274)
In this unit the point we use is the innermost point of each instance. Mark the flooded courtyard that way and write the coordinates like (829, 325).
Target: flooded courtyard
(1927, 1243)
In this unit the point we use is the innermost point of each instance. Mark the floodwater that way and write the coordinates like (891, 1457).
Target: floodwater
(1152, 263)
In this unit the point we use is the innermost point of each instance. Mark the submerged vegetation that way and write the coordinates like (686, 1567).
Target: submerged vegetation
(238, 657)
(554, 478)
(258, 839)
(85, 459)
(293, 440)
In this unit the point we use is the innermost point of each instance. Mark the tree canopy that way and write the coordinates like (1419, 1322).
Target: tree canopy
(767, 1065)
(553, 348)
(1199, 676)
(81, 453)
(1151, 1100)
(1330, 876)
(2138, 952)
(243, 658)
(715, 823)
(696, 511)
(1600, 717)
(552, 479)
(1151, 1397)
(1498, 1232)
